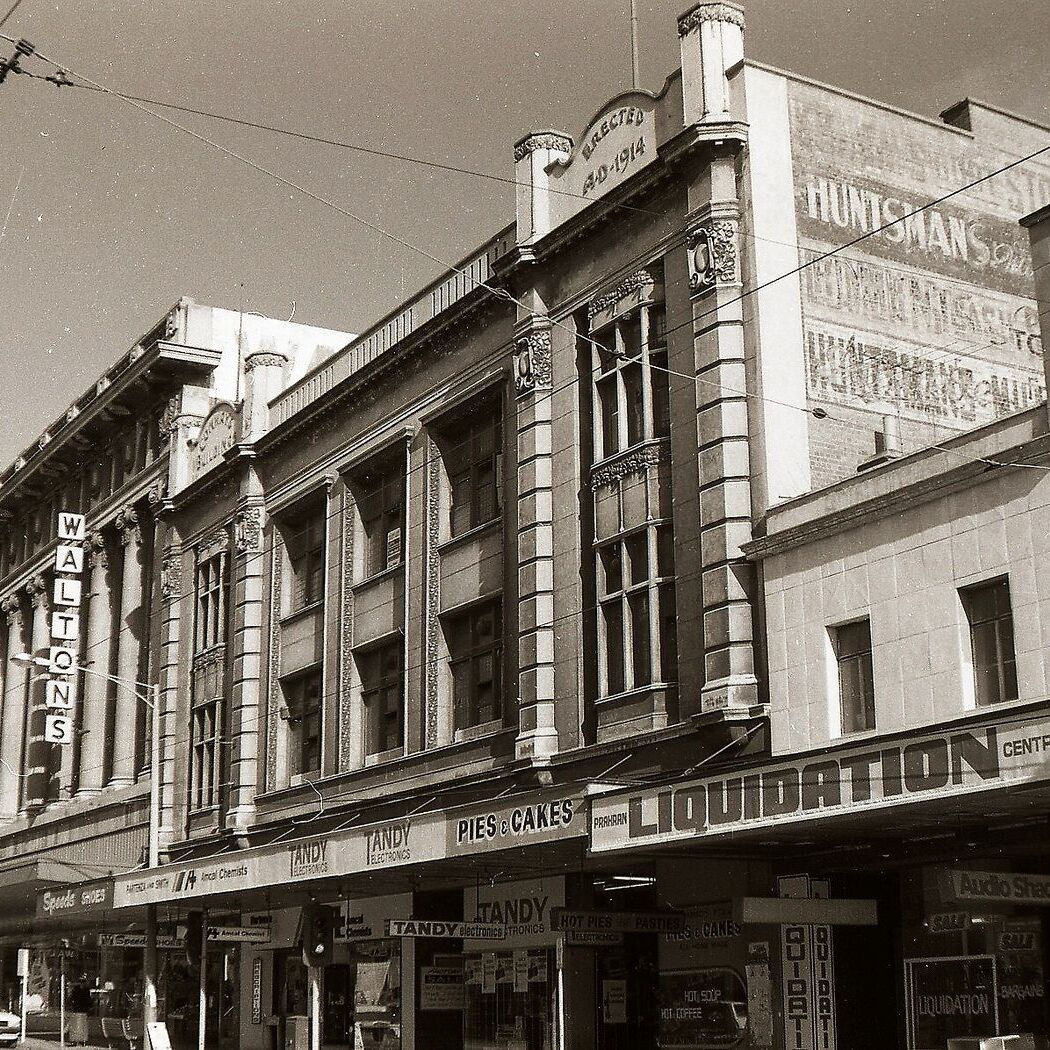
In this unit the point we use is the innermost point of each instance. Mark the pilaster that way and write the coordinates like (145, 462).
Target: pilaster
(712, 41)
(37, 750)
(171, 603)
(130, 627)
(12, 726)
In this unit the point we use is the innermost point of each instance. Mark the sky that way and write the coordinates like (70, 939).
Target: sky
(108, 215)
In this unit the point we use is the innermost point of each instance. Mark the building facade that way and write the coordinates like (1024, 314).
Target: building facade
(460, 632)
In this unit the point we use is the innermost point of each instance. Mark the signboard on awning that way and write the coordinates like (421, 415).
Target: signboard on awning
(538, 818)
(879, 774)
(75, 900)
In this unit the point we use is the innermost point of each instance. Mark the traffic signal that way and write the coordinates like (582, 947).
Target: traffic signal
(194, 936)
(318, 933)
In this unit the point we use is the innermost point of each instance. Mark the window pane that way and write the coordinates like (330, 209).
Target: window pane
(856, 694)
(631, 333)
(668, 634)
(640, 641)
(992, 642)
(461, 508)
(664, 551)
(612, 568)
(638, 557)
(661, 379)
(614, 654)
(632, 380)
(609, 410)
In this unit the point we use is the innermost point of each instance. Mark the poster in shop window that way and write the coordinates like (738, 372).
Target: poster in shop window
(702, 1010)
(950, 997)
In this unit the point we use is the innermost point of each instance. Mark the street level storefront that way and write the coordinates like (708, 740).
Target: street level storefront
(895, 892)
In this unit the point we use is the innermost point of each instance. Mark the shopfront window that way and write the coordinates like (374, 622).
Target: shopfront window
(361, 1004)
(509, 1000)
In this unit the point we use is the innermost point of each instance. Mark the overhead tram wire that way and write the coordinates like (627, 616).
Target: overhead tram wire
(13, 8)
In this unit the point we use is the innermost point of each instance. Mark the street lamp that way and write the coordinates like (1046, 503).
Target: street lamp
(152, 701)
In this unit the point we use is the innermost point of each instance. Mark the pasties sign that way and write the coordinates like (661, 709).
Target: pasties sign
(618, 143)
(843, 781)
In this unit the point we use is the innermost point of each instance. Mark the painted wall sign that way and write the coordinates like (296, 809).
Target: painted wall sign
(218, 434)
(950, 997)
(85, 897)
(948, 922)
(409, 840)
(881, 775)
(1000, 886)
(618, 143)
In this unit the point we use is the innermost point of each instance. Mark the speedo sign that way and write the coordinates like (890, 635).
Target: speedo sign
(876, 776)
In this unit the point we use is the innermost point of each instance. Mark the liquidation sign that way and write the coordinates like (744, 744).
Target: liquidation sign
(878, 775)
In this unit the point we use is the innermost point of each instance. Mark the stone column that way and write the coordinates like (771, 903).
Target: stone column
(130, 638)
(246, 701)
(537, 734)
(37, 751)
(168, 677)
(12, 725)
(95, 655)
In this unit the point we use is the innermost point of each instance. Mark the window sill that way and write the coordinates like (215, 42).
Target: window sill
(380, 757)
(376, 577)
(470, 534)
(299, 779)
(302, 613)
(476, 732)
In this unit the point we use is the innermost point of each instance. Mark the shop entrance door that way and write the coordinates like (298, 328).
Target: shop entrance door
(337, 1006)
(290, 987)
(627, 995)
(223, 1000)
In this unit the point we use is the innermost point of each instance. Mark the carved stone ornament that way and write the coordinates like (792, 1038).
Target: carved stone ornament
(12, 608)
(127, 523)
(631, 283)
(171, 324)
(171, 574)
(247, 531)
(634, 462)
(157, 491)
(433, 595)
(212, 544)
(172, 410)
(264, 359)
(71, 413)
(135, 353)
(712, 255)
(542, 140)
(710, 13)
(36, 588)
(96, 550)
(532, 363)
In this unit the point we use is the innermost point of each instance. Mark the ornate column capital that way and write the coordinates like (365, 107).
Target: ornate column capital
(552, 140)
(270, 357)
(127, 522)
(533, 369)
(11, 607)
(37, 589)
(98, 557)
(702, 13)
(712, 251)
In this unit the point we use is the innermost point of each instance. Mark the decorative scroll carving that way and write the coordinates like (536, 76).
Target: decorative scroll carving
(127, 522)
(433, 570)
(273, 722)
(157, 491)
(542, 140)
(247, 530)
(631, 283)
(532, 362)
(346, 635)
(12, 608)
(36, 588)
(98, 556)
(635, 461)
(171, 574)
(712, 255)
(710, 13)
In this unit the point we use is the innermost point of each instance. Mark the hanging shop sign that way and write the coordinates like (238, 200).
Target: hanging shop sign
(490, 931)
(845, 781)
(522, 909)
(59, 697)
(138, 940)
(240, 934)
(366, 919)
(562, 919)
(808, 968)
(257, 990)
(75, 900)
(396, 843)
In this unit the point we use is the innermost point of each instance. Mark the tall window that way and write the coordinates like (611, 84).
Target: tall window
(637, 603)
(381, 503)
(302, 697)
(383, 692)
(473, 456)
(304, 542)
(204, 773)
(211, 602)
(852, 644)
(629, 366)
(475, 647)
(992, 641)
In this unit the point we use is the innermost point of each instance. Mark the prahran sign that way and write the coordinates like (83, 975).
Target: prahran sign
(877, 775)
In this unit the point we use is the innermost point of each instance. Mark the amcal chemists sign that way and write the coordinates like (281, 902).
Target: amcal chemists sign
(849, 780)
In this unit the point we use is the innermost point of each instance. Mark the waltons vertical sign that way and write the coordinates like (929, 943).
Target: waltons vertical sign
(847, 780)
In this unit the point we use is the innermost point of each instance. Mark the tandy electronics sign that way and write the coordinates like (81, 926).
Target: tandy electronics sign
(849, 780)
(376, 847)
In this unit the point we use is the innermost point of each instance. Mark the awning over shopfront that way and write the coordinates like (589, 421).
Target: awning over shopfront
(22, 884)
(969, 771)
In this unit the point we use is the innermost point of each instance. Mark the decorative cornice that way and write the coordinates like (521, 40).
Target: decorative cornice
(264, 359)
(542, 140)
(710, 13)
(247, 531)
(634, 461)
(711, 248)
(631, 283)
(532, 362)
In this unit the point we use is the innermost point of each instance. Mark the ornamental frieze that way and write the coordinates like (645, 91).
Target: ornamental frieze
(633, 282)
(711, 249)
(544, 140)
(636, 461)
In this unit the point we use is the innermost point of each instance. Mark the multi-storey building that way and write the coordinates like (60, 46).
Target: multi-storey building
(443, 620)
